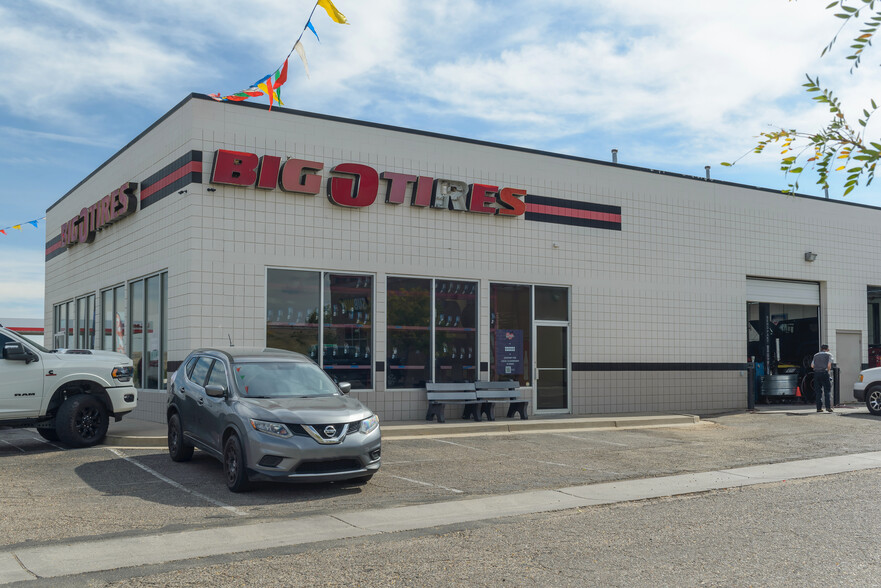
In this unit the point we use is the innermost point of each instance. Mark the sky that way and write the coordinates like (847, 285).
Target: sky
(673, 85)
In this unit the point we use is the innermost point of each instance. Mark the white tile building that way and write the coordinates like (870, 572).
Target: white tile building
(619, 289)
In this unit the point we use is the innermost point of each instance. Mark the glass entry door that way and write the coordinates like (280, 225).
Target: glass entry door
(552, 367)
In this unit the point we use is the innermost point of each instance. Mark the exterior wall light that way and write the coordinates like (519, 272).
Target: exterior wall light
(810, 256)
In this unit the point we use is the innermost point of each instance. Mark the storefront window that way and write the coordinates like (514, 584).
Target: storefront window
(70, 336)
(510, 333)
(81, 324)
(551, 303)
(408, 337)
(148, 325)
(107, 320)
(328, 317)
(153, 332)
(348, 305)
(136, 300)
(119, 316)
(873, 298)
(455, 312)
(293, 300)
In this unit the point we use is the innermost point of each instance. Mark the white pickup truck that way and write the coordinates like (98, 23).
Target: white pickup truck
(68, 395)
(868, 389)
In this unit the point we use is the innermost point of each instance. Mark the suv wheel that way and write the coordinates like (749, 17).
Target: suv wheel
(81, 421)
(178, 448)
(873, 400)
(234, 465)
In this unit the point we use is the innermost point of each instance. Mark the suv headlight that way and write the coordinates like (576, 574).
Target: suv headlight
(274, 429)
(369, 424)
(123, 373)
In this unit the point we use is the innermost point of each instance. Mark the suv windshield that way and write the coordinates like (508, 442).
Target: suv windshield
(282, 379)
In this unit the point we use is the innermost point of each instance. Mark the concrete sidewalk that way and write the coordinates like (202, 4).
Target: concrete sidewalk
(131, 432)
(68, 558)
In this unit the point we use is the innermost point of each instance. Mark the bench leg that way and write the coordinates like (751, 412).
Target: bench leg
(435, 410)
(516, 407)
(472, 411)
(488, 408)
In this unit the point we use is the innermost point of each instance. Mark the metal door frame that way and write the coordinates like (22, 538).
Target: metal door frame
(535, 369)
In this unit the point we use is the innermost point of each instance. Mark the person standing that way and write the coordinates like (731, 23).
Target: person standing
(822, 366)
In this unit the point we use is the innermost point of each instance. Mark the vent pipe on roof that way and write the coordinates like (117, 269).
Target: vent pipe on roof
(706, 167)
(614, 156)
(826, 189)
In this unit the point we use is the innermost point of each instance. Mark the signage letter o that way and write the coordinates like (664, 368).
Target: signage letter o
(356, 192)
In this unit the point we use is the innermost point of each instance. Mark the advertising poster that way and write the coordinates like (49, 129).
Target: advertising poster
(509, 351)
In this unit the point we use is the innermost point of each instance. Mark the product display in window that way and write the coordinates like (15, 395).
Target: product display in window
(408, 334)
(455, 332)
(348, 335)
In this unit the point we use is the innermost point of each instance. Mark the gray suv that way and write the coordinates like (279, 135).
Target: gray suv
(269, 415)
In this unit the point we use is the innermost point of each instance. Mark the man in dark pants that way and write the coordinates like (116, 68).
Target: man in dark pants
(822, 365)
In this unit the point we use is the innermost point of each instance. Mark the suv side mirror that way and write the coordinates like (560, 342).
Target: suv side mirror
(17, 352)
(215, 390)
(345, 387)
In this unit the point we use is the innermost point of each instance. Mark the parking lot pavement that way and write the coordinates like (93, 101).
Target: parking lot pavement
(53, 494)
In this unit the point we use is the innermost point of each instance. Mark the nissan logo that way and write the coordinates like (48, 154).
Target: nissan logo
(329, 431)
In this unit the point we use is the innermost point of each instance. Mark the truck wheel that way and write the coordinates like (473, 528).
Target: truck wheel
(234, 465)
(873, 400)
(178, 448)
(47, 434)
(81, 421)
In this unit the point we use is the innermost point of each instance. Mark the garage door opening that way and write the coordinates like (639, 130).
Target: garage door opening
(783, 334)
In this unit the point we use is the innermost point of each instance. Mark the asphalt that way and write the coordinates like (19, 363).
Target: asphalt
(131, 432)
(63, 559)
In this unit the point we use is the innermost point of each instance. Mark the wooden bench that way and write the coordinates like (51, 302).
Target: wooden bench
(439, 395)
(489, 393)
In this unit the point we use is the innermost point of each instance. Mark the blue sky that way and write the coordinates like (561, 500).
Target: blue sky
(673, 85)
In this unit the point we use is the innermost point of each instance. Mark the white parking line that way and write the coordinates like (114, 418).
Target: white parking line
(11, 445)
(49, 443)
(589, 439)
(171, 482)
(460, 445)
(453, 490)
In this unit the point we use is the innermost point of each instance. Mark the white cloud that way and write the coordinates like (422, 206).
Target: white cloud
(21, 289)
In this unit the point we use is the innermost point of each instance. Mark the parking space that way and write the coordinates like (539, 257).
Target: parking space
(52, 493)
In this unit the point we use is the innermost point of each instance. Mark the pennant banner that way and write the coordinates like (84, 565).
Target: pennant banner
(271, 85)
(17, 227)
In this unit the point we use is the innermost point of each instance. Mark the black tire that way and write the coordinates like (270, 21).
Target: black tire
(178, 448)
(81, 421)
(234, 465)
(47, 433)
(873, 400)
(808, 394)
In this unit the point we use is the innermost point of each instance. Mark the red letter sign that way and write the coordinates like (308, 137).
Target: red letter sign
(234, 167)
(359, 191)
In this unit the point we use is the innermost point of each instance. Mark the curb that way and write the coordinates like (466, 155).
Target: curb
(425, 430)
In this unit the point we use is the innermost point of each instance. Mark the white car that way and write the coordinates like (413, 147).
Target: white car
(868, 389)
(68, 395)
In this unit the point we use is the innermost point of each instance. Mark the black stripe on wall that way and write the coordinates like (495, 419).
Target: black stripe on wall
(191, 178)
(656, 367)
(573, 204)
(572, 222)
(57, 252)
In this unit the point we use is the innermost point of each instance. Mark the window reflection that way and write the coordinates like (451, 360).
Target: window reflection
(408, 339)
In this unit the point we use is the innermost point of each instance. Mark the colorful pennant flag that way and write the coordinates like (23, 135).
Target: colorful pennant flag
(271, 85)
(18, 226)
(314, 32)
(302, 53)
(334, 14)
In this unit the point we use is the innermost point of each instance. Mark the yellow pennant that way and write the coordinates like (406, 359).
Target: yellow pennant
(334, 14)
